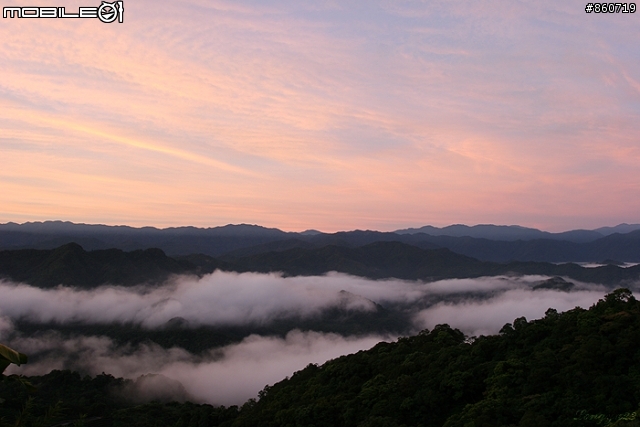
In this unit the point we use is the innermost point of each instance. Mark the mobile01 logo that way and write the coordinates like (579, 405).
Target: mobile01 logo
(106, 12)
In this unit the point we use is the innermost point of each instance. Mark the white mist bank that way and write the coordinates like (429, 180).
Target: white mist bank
(486, 317)
(225, 298)
(234, 373)
(226, 376)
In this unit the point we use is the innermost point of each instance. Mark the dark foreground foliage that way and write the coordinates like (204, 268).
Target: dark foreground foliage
(579, 368)
(538, 373)
(65, 398)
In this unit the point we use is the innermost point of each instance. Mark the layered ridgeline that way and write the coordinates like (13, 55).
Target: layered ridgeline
(484, 242)
(578, 368)
(218, 325)
(71, 265)
(138, 287)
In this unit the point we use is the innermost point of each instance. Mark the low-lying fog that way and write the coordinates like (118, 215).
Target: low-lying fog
(232, 374)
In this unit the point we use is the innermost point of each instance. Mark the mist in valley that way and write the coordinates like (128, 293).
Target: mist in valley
(235, 372)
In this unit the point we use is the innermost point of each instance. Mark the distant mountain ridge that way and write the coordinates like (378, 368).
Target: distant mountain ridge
(71, 265)
(62, 227)
(174, 241)
(516, 232)
(485, 242)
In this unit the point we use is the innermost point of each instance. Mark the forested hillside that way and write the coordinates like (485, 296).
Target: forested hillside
(578, 368)
(71, 265)
(555, 371)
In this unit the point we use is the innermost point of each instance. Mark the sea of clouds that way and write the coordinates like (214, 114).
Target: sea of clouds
(236, 372)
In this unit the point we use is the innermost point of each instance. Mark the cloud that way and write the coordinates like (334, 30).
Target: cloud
(6, 327)
(151, 387)
(217, 299)
(481, 113)
(234, 373)
(487, 316)
(224, 298)
(228, 375)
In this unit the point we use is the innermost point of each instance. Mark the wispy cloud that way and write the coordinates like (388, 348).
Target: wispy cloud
(284, 114)
(224, 376)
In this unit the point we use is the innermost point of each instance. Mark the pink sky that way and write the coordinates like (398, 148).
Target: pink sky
(328, 115)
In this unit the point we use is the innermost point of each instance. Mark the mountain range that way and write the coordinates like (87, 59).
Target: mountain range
(71, 265)
(494, 243)
(565, 369)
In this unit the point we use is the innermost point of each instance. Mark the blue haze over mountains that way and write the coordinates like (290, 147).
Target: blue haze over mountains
(484, 242)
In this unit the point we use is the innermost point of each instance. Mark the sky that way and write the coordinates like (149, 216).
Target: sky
(332, 115)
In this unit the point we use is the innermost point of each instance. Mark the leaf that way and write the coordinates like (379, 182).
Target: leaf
(12, 356)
